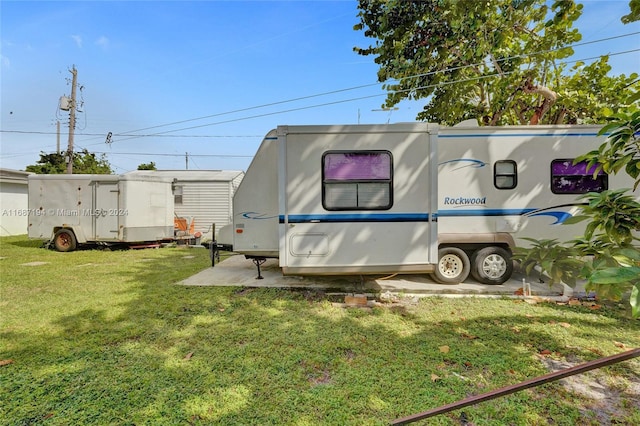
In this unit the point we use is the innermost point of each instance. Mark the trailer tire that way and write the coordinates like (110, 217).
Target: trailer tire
(453, 266)
(491, 265)
(435, 278)
(64, 240)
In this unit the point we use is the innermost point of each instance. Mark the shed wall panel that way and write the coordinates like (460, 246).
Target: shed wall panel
(206, 203)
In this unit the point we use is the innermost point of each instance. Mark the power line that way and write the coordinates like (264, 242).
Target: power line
(30, 132)
(323, 105)
(175, 155)
(130, 135)
(375, 84)
(367, 97)
(285, 111)
(163, 134)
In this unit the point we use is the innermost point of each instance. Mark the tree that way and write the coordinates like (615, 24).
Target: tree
(607, 256)
(498, 61)
(616, 264)
(147, 166)
(614, 216)
(634, 14)
(84, 162)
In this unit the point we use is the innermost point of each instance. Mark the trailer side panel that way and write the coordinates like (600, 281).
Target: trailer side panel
(357, 199)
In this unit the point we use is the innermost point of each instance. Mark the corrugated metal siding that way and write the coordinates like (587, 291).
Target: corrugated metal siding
(206, 194)
(207, 203)
(235, 183)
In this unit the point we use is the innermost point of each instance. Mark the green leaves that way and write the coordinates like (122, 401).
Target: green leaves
(616, 275)
(634, 14)
(615, 213)
(83, 162)
(559, 262)
(634, 300)
(471, 59)
(613, 282)
(621, 150)
(610, 262)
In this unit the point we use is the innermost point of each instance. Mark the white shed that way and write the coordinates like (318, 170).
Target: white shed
(14, 202)
(203, 197)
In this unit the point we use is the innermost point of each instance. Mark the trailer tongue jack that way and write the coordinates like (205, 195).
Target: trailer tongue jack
(257, 261)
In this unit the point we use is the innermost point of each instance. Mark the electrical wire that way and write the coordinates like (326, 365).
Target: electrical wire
(376, 84)
(130, 135)
(163, 134)
(34, 132)
(500, 74)
(175, 155)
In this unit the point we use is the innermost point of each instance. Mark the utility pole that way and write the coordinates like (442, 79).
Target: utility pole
(58, 137)
(186, 160)
(72, 118)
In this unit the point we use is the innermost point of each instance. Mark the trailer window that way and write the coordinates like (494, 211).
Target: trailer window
(505, 175)
(177, 194)
(569, 178)
(357, 180)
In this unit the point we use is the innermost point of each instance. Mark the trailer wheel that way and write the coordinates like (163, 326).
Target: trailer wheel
(453, 266)
(435, 278)
(491, 265)
(64, 240)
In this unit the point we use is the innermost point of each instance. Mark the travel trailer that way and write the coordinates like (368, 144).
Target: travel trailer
(410, 198)
(75, 210)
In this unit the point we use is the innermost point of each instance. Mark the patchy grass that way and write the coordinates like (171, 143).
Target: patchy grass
(99, 337)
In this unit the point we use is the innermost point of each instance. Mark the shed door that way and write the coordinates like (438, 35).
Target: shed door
(105, 208)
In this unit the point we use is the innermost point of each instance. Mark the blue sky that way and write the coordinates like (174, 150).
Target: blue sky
(146, 64)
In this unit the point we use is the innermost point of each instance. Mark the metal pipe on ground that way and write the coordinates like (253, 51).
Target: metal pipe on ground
(547, 378)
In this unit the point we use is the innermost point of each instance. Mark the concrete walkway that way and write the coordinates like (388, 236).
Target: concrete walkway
(238, 271)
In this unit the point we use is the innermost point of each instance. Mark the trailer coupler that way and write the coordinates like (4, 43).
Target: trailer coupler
(214, 253)
(257, 261)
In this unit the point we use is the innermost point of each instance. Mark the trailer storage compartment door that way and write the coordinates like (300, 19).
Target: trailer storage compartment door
(105, 209)
(357, 199)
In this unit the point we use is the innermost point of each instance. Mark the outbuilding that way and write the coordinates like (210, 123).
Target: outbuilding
(201, 197)
(14, 202)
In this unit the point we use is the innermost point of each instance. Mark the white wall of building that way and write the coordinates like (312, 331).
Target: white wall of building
(14, 202)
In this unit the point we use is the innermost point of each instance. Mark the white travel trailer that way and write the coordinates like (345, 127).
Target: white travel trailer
(73, 210)
(410, 198)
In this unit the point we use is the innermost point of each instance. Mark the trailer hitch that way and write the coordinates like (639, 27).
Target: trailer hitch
(214, 252)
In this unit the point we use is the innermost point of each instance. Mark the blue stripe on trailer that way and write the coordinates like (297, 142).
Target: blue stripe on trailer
(420, 217)
(559, 216)
(512, 135)
(484, 212)
(355, 217)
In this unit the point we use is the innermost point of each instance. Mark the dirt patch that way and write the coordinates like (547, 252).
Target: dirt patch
(606, 397)
(34, 264)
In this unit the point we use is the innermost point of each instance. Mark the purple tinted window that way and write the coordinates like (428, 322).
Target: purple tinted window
(357, 180)
(357, 166)
(569, 178)
(566, 167)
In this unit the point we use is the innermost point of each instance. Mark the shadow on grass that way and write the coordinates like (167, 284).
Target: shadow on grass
(23, 242)
(184, 355)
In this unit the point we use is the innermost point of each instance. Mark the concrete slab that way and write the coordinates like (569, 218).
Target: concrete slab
(238, 271)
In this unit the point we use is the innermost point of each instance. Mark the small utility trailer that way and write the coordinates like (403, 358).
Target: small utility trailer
(107, 210)
(410, 198)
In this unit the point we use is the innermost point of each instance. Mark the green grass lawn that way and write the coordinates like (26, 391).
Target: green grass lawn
(107, 337)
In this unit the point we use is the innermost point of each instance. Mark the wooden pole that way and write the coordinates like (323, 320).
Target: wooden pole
(72, 119)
